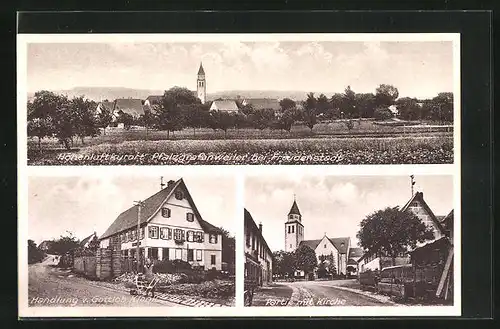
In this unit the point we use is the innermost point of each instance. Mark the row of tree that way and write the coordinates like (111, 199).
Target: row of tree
(303, 259)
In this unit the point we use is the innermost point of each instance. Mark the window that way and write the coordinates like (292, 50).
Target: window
(213, 238)
(165, 253)
(293, 229)
(164, 233)
(190, 255)
(178, 234)
(153, 232)
(248, 238)
(324, 246)
(165, 212)
(190, 217)
(289, 229)
(179, 195)
(153, 253)
(198, 237)
(290, 246)
(142, 233)
(178, 253)
(190, 236)
(253, 242)
(198, 255)
(212, 259)
(134, 235)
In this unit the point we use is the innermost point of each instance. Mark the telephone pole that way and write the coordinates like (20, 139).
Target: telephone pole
(412, 183)
(139, 205)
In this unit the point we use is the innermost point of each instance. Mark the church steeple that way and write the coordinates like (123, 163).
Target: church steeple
(201, 85)
(295, 209)
(294, 229)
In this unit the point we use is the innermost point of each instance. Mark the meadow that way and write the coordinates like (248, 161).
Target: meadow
(328, 143)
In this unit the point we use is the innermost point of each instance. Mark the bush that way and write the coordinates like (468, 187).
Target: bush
(212, 274)
(172, 266)
(382, 114)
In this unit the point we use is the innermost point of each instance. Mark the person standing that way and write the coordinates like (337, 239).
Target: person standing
(148, 273)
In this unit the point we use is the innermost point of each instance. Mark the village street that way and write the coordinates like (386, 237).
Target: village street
(316, 293)
(52, 286)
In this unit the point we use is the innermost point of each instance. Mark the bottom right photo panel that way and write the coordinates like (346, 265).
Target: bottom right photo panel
(320, 240)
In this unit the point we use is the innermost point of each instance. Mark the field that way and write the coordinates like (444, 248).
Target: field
(329, 143)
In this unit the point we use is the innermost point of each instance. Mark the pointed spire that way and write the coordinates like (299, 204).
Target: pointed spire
(295, 209)
(201, 71)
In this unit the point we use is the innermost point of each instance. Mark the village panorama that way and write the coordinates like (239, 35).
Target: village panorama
(299, 254)
(190, 124)
(161, 250)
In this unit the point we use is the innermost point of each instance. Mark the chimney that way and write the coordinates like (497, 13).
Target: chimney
(260, 227)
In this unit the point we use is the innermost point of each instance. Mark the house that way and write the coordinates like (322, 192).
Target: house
(152, 100)
(294, 238)
(352, 259)
(228, 106)
(258, 255)
(171, 227)
(417, 205)
(45, 245)
(131, 106)
(262, 103)
(88, 240)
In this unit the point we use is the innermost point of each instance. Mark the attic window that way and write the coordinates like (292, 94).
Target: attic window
(165, 212)
(179, 195)
(190, 217)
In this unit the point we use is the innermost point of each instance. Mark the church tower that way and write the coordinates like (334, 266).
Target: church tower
(294, 230)
(201, 85)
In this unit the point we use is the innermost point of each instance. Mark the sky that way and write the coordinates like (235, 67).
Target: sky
(83, 205)
(417, 68)
(335, 205)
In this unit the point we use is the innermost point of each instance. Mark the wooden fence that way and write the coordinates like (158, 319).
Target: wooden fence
(105, 265)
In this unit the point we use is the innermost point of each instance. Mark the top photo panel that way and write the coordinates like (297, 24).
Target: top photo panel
(234, 99)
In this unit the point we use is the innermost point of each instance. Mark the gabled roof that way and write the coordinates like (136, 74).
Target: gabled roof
(108, 106)
(85, 241)
(295, 209)
(311, 243)
(341, 244)
(419, 196)
(128, 218)
(132, 106)
(263, 103)
(355, 252)
(201, 71)
(224, 105)
(45, 243)
(154, 99)
(249, 220)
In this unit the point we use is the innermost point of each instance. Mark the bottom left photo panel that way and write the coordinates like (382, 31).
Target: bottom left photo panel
(130, 240)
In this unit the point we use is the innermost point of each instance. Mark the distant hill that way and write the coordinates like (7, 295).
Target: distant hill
(112, 93)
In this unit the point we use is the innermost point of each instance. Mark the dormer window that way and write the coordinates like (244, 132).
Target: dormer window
(179, 195)
(165, 212)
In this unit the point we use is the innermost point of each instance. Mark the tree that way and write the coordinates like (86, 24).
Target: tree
(170, 113)
(284, 263)
(147, 120)
(328, 263)
(408, 108)
(309, 112)
(386, 95)
(442, 107)
(194, 116)
(382, 113)
(126, 119)
(391, 231)
(240, 121)
(66, 243)
(41, 128)
(104, 119)
(335, 107)
(84, 118)
(323, 105)
(261, 118)
(35, 255)
(287, 119)
(305, 258)
(349, 103)
(365, 104)
(223, 120)
(287, 104)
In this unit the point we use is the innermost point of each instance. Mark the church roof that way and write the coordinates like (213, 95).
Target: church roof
(341, 244)
(311, 243)
(295, 209)
(201, 71)
(224, 105)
